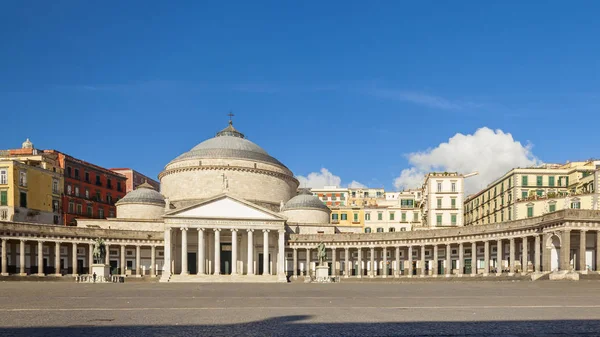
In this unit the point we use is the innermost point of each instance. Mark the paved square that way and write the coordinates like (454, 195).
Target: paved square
(420, 308)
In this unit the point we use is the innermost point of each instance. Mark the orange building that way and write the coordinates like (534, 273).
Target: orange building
(135, 179)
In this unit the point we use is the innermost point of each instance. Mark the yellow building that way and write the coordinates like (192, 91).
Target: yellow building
(348, 218)
(529, 192)
(29, 193)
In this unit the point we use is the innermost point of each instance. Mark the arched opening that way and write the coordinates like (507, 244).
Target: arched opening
(554, 246)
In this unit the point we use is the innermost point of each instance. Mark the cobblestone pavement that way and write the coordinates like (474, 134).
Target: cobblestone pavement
(442, 308)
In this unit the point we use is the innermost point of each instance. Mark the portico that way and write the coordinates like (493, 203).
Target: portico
(224, 238)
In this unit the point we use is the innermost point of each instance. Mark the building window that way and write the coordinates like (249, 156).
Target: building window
(552, 208)
(76, 173)
(529, 211)
(367, 229)
(343, 196)
(453, 187)
(539, 193)
(108, 198)
(111, 214)
(109, 184)
(355, 217)
(524, 194)
(3, 198)
(23, 199)
(391, 216)
(415, 217)
(404, 203)
(509, 214)
(334, 217)
(54, 186)
(439, 203)
(55, 219)
(100, 213)
(550, 181)
(501, 216)
(524, 181)
(344, 216)
(392, 229)
(71, 207)
(98, 196)
(69, 171)
(453, 202)
(438, 219)
(403, 216)
(90, 211)
(87, 177)
(87, 193)
(55, 206)
(367, 216)
(539, 180)
(379, 230)
(439, 187)
(79, 208)
(3, 177)
(76, 191)
(98, 182)
(453, 219)
(69, 190)
(576, 205)
(23, 178)
(379, 216)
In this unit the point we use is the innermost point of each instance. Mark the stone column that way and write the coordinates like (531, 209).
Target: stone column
(346, 263)
(295, 266)
(333, 262)
(434, 270)
(22, 258)
(499, 257)
(107, 255)
(281, 256)
(582, 248)
(250, 251)
(448, 260)
(234, 251)
(565, 250)
(524, 256)
(474, 258)
(57, 271)
(546, 253)
(423, 261)
(184, 251)
(536, 253)
(138, 261)
(410, 261)
(152, 261)
(359, 272)
(486, 258)
(461, 260)
(307, 267)
(167, 253)
(385, 268)
(123, 264)
(201, 250)
(397, 269)
(372, 271)
(217, 251)
(265, 252)
(598, 251)
(90, 257)
(40, 258)
(511, 266)
(4, 259)
(74, 258)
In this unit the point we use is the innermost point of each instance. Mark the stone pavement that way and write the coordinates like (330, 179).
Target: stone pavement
(451, 308)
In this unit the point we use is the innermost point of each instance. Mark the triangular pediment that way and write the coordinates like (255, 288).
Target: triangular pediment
(225, 207)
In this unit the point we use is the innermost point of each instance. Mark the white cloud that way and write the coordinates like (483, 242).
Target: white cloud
(491, 153)
(324, 178)
(424, 99)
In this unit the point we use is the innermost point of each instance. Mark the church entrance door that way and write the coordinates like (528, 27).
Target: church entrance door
(192, 263)
(261, 266)
(226, 258)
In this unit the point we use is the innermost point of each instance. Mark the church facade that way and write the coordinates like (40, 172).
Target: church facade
(227, 211)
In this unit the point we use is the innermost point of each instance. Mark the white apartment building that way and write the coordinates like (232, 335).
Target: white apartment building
(442, 204)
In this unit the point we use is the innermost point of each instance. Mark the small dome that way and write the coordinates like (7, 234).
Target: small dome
(27, 144)
(305, 200)
(144, 193)
(228, 143)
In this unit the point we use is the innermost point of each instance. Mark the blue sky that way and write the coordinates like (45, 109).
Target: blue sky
(348, 86)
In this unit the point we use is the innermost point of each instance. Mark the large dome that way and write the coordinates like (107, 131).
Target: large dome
(227, 163)
(228, 143)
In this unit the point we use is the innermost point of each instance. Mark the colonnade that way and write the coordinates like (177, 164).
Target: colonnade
(54, 258)
(533, 252)
(208, 263)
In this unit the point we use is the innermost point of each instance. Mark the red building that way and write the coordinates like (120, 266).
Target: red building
(135, 179)
(90, 191)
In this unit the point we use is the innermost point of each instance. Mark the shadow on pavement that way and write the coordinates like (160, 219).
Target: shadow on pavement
(298, 326)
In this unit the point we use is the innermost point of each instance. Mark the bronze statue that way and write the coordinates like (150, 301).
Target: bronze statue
(99, 253)
(321, 254)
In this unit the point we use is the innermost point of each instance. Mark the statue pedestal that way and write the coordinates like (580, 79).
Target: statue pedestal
(322, 272)
(102, 272)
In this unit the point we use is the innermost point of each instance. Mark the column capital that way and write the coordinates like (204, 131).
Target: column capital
(346, 249)
(249, 230)
(234, 230)
(266, 230)
(583, 230)
(22, 240)
(183, 228)
(294, 248)
(200, 229)
(216, 229)
(280, 231)
(4, 239)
